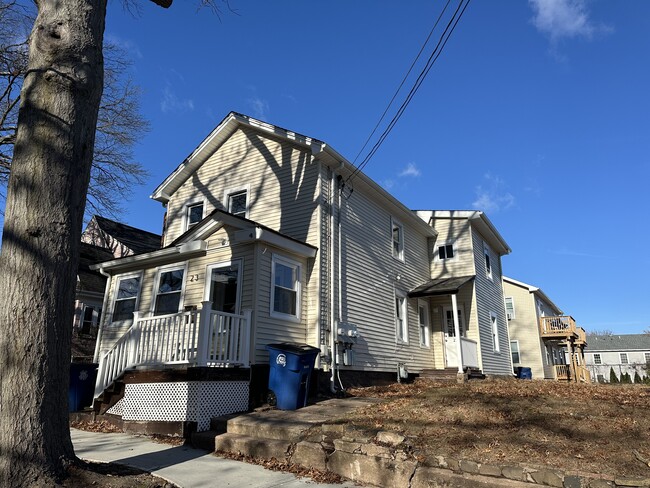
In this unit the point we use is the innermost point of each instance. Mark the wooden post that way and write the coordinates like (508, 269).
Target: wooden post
(204, 333)
(459, 347)
(245, 340)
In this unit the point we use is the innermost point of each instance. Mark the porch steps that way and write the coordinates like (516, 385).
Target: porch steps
(253, 446)
(206, 439)
(111, 395)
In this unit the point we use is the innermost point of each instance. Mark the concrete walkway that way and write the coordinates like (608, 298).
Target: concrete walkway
(182, 465)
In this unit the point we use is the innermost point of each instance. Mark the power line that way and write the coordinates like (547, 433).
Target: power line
(403, 81)
(435, 54)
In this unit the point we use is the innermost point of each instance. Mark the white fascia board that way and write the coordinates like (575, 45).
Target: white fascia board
(163, 255)
(535, 291)
(490, 232)
(276, 240)
(373, 190)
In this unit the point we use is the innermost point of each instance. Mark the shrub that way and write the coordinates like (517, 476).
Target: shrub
(612, 376)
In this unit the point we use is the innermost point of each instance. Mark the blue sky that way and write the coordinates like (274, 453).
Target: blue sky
(537, 113)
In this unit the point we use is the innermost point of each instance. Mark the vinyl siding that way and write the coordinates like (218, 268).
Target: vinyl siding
(489, 298)
(282, 178)
(525, 329)
(370, 276)
(456, 232)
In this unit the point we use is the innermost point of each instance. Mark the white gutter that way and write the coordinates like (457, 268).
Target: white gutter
(104, 314)
(333, 325)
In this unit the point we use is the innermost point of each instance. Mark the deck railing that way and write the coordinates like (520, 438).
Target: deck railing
(197, 338)
(558, 326)
(470, 352)
(582, 336)
(562, 372)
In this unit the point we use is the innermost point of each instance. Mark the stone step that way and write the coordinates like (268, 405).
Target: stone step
(253, 446)
(276, 425)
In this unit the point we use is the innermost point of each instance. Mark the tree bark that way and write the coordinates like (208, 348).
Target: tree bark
(38, 261)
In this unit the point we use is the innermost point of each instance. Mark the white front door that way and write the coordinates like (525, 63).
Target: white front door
(223, 286)
(451, 348)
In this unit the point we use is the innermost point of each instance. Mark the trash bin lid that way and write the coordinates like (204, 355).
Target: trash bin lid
(293, 347)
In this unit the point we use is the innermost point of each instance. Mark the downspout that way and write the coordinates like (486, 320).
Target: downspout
(104, 305)
(333, 324)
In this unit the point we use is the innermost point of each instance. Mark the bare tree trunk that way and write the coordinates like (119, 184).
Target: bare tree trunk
(38, 261)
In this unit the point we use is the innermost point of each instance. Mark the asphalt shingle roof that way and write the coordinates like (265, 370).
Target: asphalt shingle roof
(619, 342)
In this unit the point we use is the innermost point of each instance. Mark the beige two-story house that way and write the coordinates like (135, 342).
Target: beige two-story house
(272, 236)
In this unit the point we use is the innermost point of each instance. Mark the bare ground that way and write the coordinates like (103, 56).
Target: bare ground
(598, 428)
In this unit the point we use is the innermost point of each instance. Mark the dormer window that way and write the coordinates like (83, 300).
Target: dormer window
(193, 214)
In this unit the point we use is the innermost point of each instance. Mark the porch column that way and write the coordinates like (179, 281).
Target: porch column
(459, 347)
(205, 333)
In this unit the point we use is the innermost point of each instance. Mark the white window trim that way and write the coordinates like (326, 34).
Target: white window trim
(487, 252)
(518, 350)
(494, 324)
(600, 358)
(276, 258)
(627, 357)
(186, 209)
(396, 223)
(154, 292)
(116, 285)
(436, 253)
(514, 313)
(208, 279)
(237, 189)
(427, 327)
(405, 321)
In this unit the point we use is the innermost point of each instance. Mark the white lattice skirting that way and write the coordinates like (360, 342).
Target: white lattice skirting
(193, 401)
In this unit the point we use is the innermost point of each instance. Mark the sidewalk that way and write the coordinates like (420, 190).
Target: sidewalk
(182, 465)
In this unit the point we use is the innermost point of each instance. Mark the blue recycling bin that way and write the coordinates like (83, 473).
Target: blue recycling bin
(82, 385)
(291, 366)
(524, 373)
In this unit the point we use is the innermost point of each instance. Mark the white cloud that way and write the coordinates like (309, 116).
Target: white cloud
(565, 19)
(410, 170)
(492, 196)
(388, 184)
(172, 103)
(124, 44)
(259, 108)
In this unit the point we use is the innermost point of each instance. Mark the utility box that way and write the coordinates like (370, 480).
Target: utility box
(291, 366)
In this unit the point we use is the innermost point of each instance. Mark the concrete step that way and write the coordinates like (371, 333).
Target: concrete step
(252, 446)
(204, 440)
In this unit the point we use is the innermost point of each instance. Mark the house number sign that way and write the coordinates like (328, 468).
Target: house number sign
(194, 277)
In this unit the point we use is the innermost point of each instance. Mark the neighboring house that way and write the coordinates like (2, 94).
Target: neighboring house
(624, 353)
(270, 237)
(541, 336)
(102, 240)
(121, 239)
(466, 278)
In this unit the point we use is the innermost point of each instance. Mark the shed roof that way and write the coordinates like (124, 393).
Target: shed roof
(440, 286)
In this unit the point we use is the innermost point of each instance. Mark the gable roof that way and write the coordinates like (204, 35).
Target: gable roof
(477, 219)
(319, 150)
(622, 342)
(88, 280)
(193, 242)
(137, 240)
(534, 290)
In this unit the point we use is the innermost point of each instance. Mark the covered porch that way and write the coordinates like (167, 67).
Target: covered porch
(450, 300)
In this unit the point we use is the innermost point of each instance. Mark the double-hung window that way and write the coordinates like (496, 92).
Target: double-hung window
(401, 320)
(423, 319)
(488, 262)
(285, 288)
(168, 290)
(193, 214)
(397, 236)
(510, 308)
(514, 350)
(647, 357)
(495, 331)
(597, 359)
(127, 293)
(624, 358)
(236, 200)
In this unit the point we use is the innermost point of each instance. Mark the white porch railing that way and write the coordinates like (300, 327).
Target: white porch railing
(197, 338)
(470, 352)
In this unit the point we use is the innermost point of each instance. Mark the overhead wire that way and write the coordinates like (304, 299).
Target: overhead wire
(435, 54)
(399, 88)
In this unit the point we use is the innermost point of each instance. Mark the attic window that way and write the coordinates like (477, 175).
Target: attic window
(194, 214)
(237, 203)
(446, 251)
